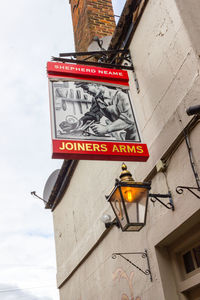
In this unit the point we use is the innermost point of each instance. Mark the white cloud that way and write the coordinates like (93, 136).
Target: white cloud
(12, 292)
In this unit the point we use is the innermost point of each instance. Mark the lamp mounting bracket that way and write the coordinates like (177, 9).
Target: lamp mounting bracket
(155, 197)
(143, 254)
(113, 223)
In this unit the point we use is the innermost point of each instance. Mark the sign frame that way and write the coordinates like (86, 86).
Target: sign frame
(98, 147)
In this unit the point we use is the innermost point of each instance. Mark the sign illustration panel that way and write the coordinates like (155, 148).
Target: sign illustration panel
(92, 112)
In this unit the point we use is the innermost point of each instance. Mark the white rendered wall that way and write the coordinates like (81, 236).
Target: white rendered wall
(167, 67)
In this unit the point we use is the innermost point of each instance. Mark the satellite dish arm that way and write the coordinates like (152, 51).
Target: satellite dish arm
(34, 194)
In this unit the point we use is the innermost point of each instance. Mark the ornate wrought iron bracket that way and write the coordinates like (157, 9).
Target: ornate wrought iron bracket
(34, 194)
(104, 58)
(180, 189)
(143, 254)
(155, 197)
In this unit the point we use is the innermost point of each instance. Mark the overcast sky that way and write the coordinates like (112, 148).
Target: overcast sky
(31, 31)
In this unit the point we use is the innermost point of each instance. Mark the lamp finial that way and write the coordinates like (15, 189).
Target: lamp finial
(125, 174)
(124, 166)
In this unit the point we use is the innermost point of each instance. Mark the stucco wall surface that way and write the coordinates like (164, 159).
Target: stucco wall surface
(101, 277)
(167, 67)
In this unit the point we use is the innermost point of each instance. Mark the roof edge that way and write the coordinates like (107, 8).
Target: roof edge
(127, 24)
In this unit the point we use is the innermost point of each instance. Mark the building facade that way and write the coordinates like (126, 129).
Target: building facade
(163, 39)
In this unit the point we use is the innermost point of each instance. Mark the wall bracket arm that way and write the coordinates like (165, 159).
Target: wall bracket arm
(180, 188)
(144, 254)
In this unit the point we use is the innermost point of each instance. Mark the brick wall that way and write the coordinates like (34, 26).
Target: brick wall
(91, 18)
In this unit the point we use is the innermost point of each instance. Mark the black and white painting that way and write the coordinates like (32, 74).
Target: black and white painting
(91, 111)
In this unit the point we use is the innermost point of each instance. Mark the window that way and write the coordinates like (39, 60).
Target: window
(197, 255)
(191, 259)
(188, 262)
(185, 260)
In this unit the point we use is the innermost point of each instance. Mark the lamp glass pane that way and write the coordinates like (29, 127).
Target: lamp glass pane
(142, 207)
(118, 208)
(137, 208)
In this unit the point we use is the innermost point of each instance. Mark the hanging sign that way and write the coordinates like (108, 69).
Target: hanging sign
(92, 115)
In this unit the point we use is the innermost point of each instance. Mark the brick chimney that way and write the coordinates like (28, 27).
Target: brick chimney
(91, 18)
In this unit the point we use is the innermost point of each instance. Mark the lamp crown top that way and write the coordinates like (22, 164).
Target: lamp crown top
(125, 174)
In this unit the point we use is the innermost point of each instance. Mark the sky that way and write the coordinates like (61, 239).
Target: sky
(31, 31)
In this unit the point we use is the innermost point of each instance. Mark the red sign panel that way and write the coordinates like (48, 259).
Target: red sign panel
(100, 150)
(92, 115)
(87, 73)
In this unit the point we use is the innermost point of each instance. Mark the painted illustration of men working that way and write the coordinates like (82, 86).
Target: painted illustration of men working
(93, 112)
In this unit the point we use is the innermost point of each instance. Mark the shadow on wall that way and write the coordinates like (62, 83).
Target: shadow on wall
(121, 274)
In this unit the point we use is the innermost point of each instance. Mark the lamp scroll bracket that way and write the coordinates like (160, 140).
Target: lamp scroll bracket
(144, 255)
(156, 197)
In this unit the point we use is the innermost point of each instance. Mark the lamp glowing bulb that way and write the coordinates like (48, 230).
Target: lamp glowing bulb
(129, 197)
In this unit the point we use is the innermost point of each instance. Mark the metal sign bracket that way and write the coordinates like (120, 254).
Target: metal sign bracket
(144, 255)
(112, 59)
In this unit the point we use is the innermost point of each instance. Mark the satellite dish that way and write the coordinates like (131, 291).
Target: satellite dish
(50, 184)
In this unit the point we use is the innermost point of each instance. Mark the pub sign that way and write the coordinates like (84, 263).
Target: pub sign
(92, 115)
